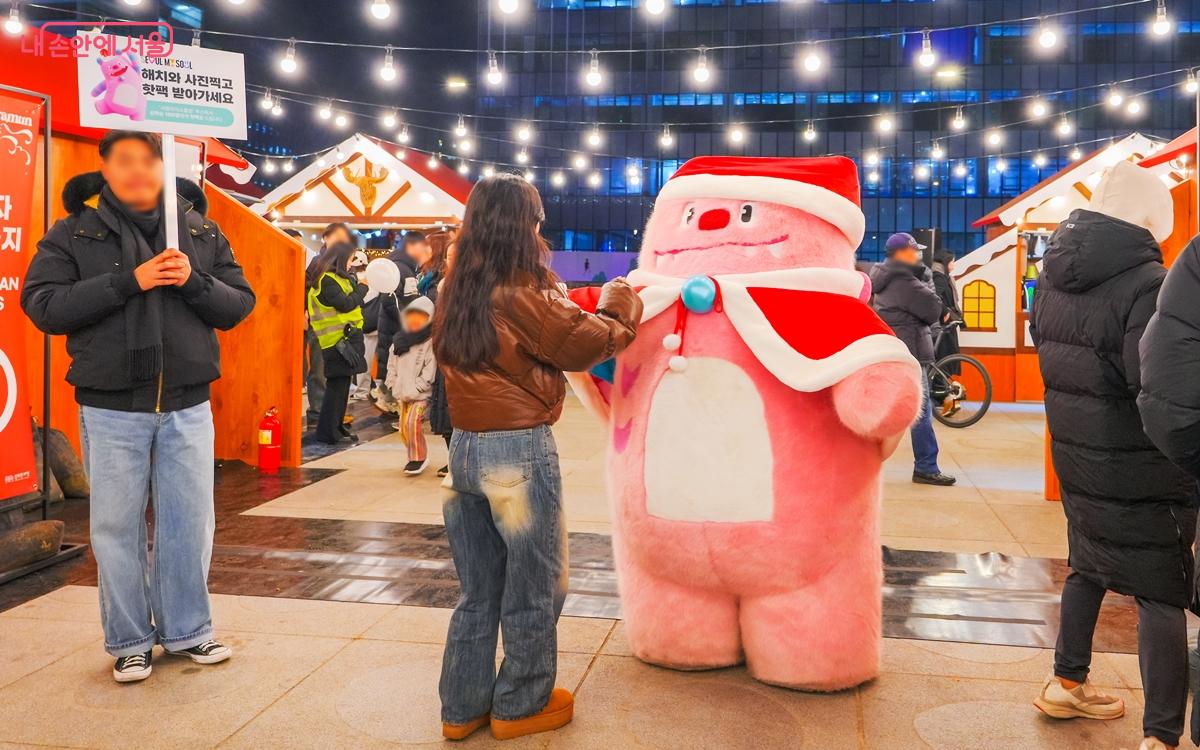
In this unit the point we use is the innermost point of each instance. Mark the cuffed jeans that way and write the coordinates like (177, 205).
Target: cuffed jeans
(132, 458)
(924, 441)
(504, 519)
(1162, 653)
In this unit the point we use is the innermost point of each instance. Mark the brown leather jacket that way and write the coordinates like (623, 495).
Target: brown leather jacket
(541, 334)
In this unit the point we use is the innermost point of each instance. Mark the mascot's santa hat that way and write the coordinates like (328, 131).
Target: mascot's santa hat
(782, 315)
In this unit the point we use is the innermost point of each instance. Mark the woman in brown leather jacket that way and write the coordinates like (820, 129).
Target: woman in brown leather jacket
(504, 332)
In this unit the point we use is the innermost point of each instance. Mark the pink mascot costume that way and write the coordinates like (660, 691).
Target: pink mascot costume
(748, 425)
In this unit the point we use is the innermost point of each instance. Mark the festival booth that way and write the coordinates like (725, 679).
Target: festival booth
(370, 183)
(996, 281)
(273, 262)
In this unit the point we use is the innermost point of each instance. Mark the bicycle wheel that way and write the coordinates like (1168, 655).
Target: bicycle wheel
(959, 400)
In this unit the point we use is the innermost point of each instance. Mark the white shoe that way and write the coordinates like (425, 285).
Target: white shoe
(1153, 743)
(1082, 702)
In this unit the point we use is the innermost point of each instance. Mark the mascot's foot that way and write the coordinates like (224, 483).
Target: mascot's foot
(678, 627)
(557, 713)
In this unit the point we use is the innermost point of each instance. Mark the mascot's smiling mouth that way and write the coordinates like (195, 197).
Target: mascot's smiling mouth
(775, 246)
(118, 72)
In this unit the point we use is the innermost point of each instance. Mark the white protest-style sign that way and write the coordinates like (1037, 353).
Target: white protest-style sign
(195, 91)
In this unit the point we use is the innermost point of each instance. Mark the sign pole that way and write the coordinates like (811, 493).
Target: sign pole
(47, 134)
(170, 192)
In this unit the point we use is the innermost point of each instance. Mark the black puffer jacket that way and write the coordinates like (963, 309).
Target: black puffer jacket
(906, 300)
(1131, 514)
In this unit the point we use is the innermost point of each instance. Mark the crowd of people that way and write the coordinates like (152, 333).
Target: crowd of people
(474, 340)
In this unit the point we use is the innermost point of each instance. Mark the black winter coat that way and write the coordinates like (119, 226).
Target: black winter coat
(1131, 514)
(905, 299)
(331, 295)
(77, 287)
(390, 306)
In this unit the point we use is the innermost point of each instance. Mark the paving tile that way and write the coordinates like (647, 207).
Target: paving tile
(1055, 551)
(262, 614)
(1037, 524)
(946, 713)
(582, 635)
(74, 702)
(982, 661)
(624, 703)
(70, 603)
(373, 694)
(940, 519)
(618, 642)
(29, 645)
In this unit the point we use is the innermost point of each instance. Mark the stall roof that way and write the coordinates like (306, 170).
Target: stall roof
(1184, 144)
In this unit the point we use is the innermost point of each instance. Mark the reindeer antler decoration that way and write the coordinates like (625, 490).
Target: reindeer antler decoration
(366, 184)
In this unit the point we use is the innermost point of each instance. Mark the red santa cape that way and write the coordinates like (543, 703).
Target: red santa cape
(809, 327)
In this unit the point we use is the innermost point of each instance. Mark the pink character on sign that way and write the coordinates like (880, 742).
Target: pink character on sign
(749, 422)
(121, 90)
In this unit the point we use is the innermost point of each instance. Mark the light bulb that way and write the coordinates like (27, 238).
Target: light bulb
(463, 168)
(389, 120)
(401, 154)
(338, 154)
(1001, 166)
(326, 110)
(460, 129)
(1076, 154)
(288, 63)
(133, 2)
(922, 172)
(269, 166)
(594, 179)
(1192, 85)
(13, 24)
(1038, 109)
(666, 140)
(322, 162)
(495, 76)
(1047, 36)
(1065, 127)
(960, 170)
(524, 133)
(465, 146)
(529, 176)
(558, 179)
(885, 124)
(927, 57)
(959, 122)
(388, 71)
(994, 138)
(1039, 160)
(489, 171)
(701, 72)
(289, 167)
(1115, 98)
(508, 7)
(403, 137)
(522, 157)
(381, 9)
(594, 138)
(872, 177)
(579, 161)
(655, 7)
(341, 120)
(1162, 23)
(871, 158)
(810, 134)
(1134, 107)
(432, 162)
(737, 134)
(593, 77)
(277, 110)
(811, 60)
(936, 153)
(267, 102)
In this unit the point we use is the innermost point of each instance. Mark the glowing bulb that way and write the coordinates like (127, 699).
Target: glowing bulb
(432, 162)
(1039, 160)
(927, 57)
(1162, 23)
(811, 61)
(524, 133)
(276, 110)
(288, 63)
(701, 72)
(267, 101)
(289, 166)
(960, 170)
(922, 172)
(381, 9)
(326, 110)
(529, 176)
(495, 76)
(269, 167)
(489, 171)
(594, 77)
(341, 120)
(1134, 107)
(1047, 37)
(558, 179)
(666, 140)
(885, 124)
(810, 134)
(959, 122)
(388, 71)
(463, 169)
(1192, 85)
(1038, 109)
(594, 138)
(1065, 127)
(872, 177)
(403, 137)
(508, 7)
(1001, 166)
(594, 179)
(522, 157)
(322, 162)
(936, 153)
(13, 25)
(1076, 154)
(994, 138)
(655, 7)
(737, 134)
(871, 158)
(579, 161)
(338, 155)
(389, 120)
(465, 146)
(1115, 98)
(460, 129)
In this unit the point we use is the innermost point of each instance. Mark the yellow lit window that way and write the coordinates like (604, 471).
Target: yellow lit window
(979, 306)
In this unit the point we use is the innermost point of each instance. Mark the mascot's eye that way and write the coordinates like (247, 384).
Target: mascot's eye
(689, 214)
(747, 212)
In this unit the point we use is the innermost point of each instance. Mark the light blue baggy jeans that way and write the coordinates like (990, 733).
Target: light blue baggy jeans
(504, 519)
(159, 596)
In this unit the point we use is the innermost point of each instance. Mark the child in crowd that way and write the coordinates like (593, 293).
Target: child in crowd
(410, 378)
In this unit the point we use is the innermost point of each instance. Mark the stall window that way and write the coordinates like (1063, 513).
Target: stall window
(979, 306)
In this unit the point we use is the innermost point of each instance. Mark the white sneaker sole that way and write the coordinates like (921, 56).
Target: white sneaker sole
(1059, 711)
(415, 472)
(132, 676)
(214, 658)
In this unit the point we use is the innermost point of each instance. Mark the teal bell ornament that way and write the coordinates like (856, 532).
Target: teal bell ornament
(699, 294)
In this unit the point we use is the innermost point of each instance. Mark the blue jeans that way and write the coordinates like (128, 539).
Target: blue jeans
(505, 523)
(132, 458)
(924, 441)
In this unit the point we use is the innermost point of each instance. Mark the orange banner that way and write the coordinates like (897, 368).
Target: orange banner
(19, 121)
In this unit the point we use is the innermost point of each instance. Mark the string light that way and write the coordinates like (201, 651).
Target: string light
(810, 133)
(922, 172)
(1115, 98)
(433, 162)
(1038, 108)
(666, 140)
(872, 177)
(701, 73)
(994, 138)
(1001, 166)
(463, 169)
(1076, 154)
(326, 110)
(811, 59)
(288, 63)
(403, 137)
(522, 157)
(959, 122)
(737, 134)
(289, 166)
(338, 154)
(936, 153)
(465, 146)
(1162, 22)
(524, 132)
(655, 7)
(388, 71)
(267, 102)
(196, 38)
(1191, 85)
(277, 110)
(460, 129)
(594, 179)
(593, 77)
(1065, 128)
(1047, 36)
(488, 171)
(960, 170)
(871, 158)
(885, 124)
(508, 7)
(390, 119)
(381, 9)
(1039, 160)
(1134, 107)
(269, 166)
(495, 76)
(13, 25)
(529, 175)
(558, 179)
(341, 120)
(594, 137)
(579, 161)
(633, 174)
(927, 57)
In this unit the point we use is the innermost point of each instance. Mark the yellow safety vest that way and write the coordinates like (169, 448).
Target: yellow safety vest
(326, 322)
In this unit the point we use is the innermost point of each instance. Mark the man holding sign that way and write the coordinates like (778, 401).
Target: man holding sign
(139, 316)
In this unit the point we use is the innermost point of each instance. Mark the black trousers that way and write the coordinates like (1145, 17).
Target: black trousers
(333, 408)
(1162, 653)
(314, 372)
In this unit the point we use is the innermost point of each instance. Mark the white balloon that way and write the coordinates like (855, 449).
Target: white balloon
(383, 276)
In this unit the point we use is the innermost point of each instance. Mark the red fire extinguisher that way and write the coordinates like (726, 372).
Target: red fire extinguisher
(270, 438)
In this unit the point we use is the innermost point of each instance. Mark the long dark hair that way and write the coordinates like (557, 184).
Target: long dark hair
(498, 246)
(334, 258)
(438, 242)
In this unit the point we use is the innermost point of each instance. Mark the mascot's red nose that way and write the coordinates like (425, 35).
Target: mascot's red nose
(717, 218)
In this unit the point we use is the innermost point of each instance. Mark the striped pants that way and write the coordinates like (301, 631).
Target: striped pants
(412, 416)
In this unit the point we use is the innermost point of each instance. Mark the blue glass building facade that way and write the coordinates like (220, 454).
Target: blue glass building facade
(993, 72)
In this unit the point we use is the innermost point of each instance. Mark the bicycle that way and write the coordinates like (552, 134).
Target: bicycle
(952, 405)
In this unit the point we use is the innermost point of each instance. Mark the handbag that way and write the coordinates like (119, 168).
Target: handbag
(346, 347)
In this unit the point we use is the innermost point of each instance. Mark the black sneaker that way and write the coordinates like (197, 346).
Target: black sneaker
(209, 652)
(444, 471)
(132, 668)
(937, 478)
(412, 468)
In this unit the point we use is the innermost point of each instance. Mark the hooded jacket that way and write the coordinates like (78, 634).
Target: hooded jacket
(76, 286)
(1131, 514)
(905, 299)
(410, 374)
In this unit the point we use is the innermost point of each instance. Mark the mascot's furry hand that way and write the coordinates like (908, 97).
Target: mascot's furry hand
(879, 402)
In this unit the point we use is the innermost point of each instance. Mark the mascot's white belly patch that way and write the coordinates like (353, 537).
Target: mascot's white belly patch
(708, 452)
(126, 95)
